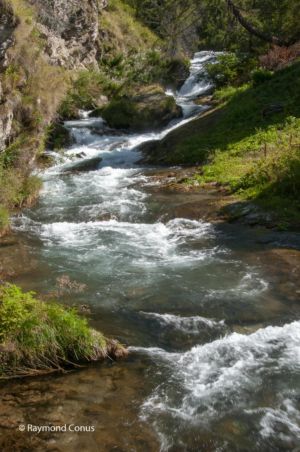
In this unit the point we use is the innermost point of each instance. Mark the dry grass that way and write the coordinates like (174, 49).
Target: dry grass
(125, 33)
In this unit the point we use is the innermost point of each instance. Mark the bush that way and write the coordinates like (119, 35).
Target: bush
(231, 69)
(58, 137)
(260, 76)
(38, 337)
(17, 189)
(86, 93)
(279, 57)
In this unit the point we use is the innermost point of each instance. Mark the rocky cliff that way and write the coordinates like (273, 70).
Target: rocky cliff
(35, 34)
(7, 26)
(71, 29)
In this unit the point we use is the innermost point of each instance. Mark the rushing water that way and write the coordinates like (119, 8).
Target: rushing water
(214, 336)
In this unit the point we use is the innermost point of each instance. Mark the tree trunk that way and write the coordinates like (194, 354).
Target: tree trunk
(258, 33)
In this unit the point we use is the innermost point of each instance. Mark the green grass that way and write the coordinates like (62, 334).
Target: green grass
(38, 337)
(125, 33)
(256, 156)
(241, 127)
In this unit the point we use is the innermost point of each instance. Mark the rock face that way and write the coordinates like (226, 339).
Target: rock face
(71, 30)
(7, 26)
(6, 123)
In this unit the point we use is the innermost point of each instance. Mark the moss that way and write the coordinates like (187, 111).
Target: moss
(147, 108)
(38, 337)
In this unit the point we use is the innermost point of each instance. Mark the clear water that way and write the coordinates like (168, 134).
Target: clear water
(213, 332)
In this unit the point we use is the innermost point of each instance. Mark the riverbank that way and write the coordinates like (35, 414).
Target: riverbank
(38, 338)
(246, 145)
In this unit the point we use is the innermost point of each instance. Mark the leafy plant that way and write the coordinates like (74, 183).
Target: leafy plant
(231, 69)
(261, 76)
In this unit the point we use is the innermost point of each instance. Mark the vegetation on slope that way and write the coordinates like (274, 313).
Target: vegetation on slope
(38, 338)
(250, 142)
(34, 89)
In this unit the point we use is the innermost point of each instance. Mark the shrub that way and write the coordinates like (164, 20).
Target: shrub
(58, 137)
(260, 76)
(279, 57)
(231, 69)
(86, 92)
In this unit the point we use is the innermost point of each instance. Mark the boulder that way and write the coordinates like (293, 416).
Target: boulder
(84, 165)
(149, 108)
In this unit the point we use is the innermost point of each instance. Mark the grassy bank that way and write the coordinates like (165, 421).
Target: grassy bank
(249, 143)
(38, 338)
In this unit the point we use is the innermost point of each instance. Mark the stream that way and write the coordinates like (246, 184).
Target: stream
(210, 312)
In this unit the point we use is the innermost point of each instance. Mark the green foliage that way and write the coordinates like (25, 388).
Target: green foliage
(278, 171)
(38, 336)
(85, 92)
(231, 69)
(17, 188)
(261, 76)
(212, 25)
(57, 137)
(135, 68)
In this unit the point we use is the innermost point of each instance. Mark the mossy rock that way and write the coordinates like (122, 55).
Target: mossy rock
(149, 108)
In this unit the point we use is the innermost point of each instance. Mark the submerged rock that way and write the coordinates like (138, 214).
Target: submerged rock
(84, 165)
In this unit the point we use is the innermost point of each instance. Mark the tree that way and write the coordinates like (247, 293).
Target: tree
(260, 33)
